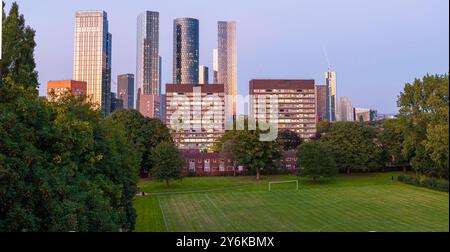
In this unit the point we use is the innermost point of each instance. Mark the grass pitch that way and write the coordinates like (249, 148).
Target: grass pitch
(370, 202)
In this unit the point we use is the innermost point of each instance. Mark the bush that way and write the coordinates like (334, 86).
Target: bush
(427, 182)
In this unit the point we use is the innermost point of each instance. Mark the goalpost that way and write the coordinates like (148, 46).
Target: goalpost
(283, 182)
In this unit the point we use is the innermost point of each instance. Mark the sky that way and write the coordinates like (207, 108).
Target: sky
(374, 46)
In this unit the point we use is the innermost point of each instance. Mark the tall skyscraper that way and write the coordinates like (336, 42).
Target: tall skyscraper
(321, 102)
(215, 66)
(147, 56)
(92, 56)
(186, 51)
(331, 84)
(203, 73)
(345, 110)
(125, 90)
(227, 62)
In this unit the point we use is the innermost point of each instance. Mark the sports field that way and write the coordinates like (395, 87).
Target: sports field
(369, 202)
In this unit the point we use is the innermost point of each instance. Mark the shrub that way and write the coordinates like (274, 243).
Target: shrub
(427, 182)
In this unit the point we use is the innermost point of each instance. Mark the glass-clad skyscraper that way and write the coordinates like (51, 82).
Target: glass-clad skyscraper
(227, 62)
(147, 56)
(331, 84)
(92, 56)
(186, 51)
(125, 90)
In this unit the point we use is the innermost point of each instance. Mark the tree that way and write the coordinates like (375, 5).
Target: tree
(144, 133)
(168, 162)
(18, 61)
(424, 110)
(289, 140)
(353, 146)
(62, 166)
(391, 136)
(228, 153)
(252, 153)
(316, 160)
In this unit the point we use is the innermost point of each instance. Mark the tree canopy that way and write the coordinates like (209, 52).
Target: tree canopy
(63, 167)
(424, 117)
(250, 151)
(353, 146)
(168, 162)
(145, 134)
(315, 160)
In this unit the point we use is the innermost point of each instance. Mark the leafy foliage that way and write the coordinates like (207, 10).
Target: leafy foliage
(316, 160)
(353, 146)
(145, 133)
(18, 61)
(424, 110)
(289, 140)
(392, 137)
(250, 151)
(168, 162)
(62, 166)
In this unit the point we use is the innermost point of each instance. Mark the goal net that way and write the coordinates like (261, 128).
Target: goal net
(293, 182)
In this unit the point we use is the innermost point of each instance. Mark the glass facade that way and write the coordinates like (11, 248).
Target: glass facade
(148, 62)
(186, 52)
(92, 56)
(227, 61)
(125, 90)
(331, 85)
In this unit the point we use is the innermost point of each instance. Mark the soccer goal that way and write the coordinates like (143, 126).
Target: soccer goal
(283, 182)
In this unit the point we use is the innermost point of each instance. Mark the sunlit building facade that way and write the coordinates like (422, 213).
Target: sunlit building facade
(203, 74)
(186, 51)
(331, 84)
(56, 89)
(296, 104)
(200, 110)
(92, 56)
(345, 110)
(227, 62)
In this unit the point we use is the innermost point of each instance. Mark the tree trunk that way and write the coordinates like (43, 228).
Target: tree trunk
(404, 169)
(348, 170)
(167, 183)
(258, 174)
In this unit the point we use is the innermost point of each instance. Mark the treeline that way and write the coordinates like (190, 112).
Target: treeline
(63, 166)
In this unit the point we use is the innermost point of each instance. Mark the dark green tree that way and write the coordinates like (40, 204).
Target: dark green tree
(144, 133)
(424, 117)
(250, 151)
(168, 163)
(315, 160)
(62, 166)
(391, 136)
(18, 61)
(354, 146)
(289, 140)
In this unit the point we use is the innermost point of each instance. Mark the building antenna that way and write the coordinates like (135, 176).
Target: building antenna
(327, 59)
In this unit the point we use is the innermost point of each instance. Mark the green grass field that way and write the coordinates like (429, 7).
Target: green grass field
(369, 202)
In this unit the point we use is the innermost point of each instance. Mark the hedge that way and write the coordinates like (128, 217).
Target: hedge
(423, 181)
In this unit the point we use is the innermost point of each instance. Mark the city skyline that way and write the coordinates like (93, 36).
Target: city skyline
(364, 62)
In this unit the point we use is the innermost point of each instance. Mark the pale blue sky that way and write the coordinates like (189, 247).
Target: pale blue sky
(375, 46)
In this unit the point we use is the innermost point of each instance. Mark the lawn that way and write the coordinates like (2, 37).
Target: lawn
(369, 202)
